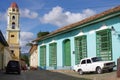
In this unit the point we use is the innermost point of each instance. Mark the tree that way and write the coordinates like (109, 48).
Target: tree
(26, 58)
(29, 44)
(40, 34)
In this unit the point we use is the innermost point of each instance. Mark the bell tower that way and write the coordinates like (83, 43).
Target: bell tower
(13, 30)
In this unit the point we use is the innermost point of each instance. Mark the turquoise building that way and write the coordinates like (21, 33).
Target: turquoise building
(98, 35)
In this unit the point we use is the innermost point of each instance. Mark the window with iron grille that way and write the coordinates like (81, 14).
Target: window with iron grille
(53, 54)
(104, 44)
(80, 48)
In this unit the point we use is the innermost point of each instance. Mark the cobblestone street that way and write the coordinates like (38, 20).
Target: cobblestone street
(39, 75)
(57, 75)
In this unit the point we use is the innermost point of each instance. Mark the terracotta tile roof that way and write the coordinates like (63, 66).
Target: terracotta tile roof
(97, 16)
(13, 5)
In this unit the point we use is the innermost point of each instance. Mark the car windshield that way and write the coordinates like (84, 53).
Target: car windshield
(96, 59)
(11, 63)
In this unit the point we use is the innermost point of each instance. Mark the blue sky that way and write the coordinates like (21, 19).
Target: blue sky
(49, 15)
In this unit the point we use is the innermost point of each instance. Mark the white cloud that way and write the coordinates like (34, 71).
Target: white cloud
(28, 14)
(3, 16)
(57, 16)
(25, 37)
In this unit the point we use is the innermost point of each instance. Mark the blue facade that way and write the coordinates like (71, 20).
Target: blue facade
(109, 22)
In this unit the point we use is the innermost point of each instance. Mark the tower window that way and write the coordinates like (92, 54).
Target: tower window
(13, 9)
(12, 35)
(12, 51)
(13, 25)
(13, 17)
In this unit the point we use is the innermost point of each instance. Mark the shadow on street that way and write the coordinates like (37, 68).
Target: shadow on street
(38, 75)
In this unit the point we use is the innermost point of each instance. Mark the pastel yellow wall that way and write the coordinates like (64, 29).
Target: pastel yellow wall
(17, 53)
(13, 40)
(7, 56)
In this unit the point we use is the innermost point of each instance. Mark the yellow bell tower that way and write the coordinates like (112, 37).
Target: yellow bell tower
(13, 30)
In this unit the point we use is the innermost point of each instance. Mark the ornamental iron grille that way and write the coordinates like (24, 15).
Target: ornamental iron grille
(104, 44)
(53, 54)
(80, 48)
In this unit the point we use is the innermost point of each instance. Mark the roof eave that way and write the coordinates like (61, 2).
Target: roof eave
(91, 20)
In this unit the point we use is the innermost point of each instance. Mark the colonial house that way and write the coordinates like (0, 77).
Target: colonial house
(98, 35)
(33, 57)
(5, 55)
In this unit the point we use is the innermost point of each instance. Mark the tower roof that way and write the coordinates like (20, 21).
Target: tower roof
(14, 5)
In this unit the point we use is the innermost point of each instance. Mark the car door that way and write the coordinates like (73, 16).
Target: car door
(83, 66)
(89, 65)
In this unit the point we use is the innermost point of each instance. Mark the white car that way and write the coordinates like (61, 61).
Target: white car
(94, 64)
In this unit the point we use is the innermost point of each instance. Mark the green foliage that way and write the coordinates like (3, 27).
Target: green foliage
(26, 58)
(29, 44)
(40, 34)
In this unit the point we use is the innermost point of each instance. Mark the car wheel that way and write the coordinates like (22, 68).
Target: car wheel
(80, 71)
(98, 70)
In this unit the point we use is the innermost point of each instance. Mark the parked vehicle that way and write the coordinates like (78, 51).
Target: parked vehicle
(94, 64)
(13, 66)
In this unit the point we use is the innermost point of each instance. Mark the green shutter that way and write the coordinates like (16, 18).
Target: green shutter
(67, 53)
(43, 56)
(104, 44)
(80, 48)
(53, 54)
